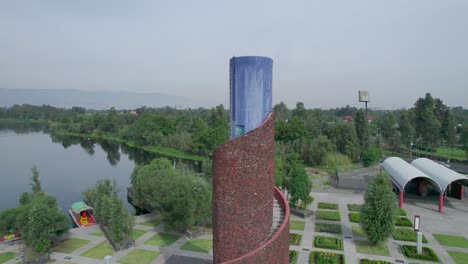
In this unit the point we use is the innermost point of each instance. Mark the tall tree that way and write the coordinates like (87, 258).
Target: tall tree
(281, 112)
(362, 130)
(426, 124)
(464, 139)
(406, 127)
(377, 213)
(35, 182)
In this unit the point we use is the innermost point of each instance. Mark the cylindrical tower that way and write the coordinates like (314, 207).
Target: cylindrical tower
(243, 174)
(250, 87)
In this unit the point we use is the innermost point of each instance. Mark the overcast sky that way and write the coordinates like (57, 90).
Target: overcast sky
(323, 51)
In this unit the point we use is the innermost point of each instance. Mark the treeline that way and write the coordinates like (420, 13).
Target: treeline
(319, 137)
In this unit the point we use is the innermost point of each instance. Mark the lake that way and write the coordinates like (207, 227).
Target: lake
(67, 166)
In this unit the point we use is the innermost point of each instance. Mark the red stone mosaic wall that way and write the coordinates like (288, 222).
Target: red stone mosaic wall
(243, 192)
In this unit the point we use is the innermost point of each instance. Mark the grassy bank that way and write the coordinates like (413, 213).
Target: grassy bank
(168, 152)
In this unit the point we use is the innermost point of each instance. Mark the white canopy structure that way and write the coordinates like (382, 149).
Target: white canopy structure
(401, 172)
(443, 175)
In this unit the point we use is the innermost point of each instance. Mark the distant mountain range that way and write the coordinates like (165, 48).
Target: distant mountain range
(95, 99)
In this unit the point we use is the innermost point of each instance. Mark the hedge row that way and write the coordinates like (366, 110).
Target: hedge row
(371, 261)
(293, 255)
(354, 207)
(295, 239)
(319, 257)
(403, 221)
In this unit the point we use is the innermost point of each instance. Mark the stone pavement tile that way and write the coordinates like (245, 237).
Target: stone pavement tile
(75, 258)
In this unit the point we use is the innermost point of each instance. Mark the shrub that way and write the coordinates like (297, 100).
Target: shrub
(336, 159)
(330, 206)
(404, 234)
(354, 207)
(328, 242)
(318, 257)
(295, 239)
(378, 210)
(329, 228)
(328, 215)
(371, 156)
(355, 217)
(426, 254)
(371, 261)
(403, 221)
(293, 255)
(400, 212)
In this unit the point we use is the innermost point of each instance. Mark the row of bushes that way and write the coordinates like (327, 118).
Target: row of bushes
(328, 215)
(330, 206)
(328, 242)
(319, 257)
(405, 234)
(328, 228)
(426, 254)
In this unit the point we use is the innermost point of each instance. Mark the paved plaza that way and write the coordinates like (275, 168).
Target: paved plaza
(453, 221)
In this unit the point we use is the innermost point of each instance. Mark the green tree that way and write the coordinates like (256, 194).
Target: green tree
(426, 124)
(464, 139)
(377, 213)
(319, 148)
(281, 112)
(362, 130)
(406, 127)
(299, 185)
(35, 183)
(371, 156)
(8, 221)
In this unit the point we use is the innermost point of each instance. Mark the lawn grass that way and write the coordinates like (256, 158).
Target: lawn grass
(328, 228)
(70, 244)
(99, 251)
(400, 212)
(6, 256)
(139, 256)
(293, 256)
(162, 239)
(451, 241)
(458, 257)
(328, 215)
(330, 206)
(366, 247)
(354, 217)
(99, 234)
(405, 234)
(296, 225)
(137, 233)
(357, 231)
(198, 245)
(152, 223)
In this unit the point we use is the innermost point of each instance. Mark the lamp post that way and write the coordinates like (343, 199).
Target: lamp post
(411, 146)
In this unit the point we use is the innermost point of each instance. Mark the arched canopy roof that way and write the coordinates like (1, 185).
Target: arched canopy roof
(443, 175)
(402, 172)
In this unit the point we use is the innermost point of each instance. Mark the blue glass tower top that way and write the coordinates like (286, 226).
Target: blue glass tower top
(251, 92)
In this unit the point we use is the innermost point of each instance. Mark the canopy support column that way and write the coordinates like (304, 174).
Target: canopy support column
(441, 202)
(401, 195)
(462, 191)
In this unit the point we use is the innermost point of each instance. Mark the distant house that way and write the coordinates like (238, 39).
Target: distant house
(370, 118)
(348, 118)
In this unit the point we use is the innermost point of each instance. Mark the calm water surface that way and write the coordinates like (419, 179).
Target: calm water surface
(67, 166)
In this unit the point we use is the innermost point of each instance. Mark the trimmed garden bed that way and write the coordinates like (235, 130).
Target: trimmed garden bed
(293, 256)
(295, 239)
(328, 215)
(403, 221)
(405, 234)
(354, 217)
(354, 207)
(328, 242)
(296, 225)
(426, 254)
(330, 206)
(319, 257)
(328, 228)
